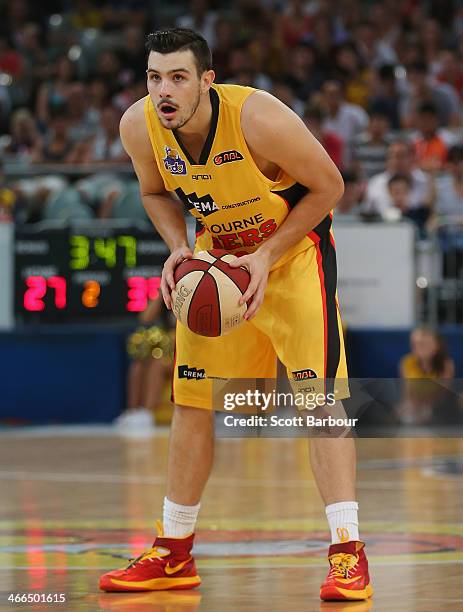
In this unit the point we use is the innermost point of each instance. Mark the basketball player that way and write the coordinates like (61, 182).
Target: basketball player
(263, 188)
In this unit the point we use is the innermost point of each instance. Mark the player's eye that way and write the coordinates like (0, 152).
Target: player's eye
(154, 77)
(178, 77)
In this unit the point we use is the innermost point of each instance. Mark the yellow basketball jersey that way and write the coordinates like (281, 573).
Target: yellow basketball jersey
(235, 205)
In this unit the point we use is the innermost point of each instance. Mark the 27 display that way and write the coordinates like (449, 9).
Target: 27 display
(86, 273)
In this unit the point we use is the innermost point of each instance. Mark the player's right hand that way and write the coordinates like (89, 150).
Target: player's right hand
(167, 278)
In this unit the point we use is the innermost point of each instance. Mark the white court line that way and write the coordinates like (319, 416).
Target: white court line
(72, 477)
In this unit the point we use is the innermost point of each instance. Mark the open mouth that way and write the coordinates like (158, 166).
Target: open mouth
(167, 110)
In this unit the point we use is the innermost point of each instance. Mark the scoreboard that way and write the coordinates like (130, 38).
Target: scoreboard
(93, 272)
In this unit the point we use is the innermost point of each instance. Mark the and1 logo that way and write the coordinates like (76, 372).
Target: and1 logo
(173, 163)
(227, 156)
(304, 374)
(205, 205)
(191, 373)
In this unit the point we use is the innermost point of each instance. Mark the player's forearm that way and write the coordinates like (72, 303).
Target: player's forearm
(168, 218)
(302, 219)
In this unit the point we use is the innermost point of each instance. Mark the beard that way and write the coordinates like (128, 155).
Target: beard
(177, 123)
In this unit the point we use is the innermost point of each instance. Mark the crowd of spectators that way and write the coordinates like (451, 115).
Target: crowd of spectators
(380, 84)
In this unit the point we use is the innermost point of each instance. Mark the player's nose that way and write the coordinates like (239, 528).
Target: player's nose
(164, 89)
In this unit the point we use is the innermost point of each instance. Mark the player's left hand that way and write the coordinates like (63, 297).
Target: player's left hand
(258, 267)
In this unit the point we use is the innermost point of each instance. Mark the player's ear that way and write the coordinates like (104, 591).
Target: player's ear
(207, 79)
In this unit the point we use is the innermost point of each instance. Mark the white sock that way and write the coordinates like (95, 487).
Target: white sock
(343, 520)
(179, 521)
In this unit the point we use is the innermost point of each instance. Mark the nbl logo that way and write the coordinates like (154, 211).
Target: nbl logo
(227, 156)
(304, 374)
(205, 205)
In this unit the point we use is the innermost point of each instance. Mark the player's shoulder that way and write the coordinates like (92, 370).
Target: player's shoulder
(134, 115)
(132, 127)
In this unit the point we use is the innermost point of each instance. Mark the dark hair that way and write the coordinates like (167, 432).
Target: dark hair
(181, 39)
(314, 111)
(441, 355)
(418, 66)
(428, 108)
(455, 154)
(400, 178)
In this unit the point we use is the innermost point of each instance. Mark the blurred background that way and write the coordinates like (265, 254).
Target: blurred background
(380, 84)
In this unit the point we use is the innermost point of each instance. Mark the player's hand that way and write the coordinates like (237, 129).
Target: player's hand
(167, 278)
(258, 267)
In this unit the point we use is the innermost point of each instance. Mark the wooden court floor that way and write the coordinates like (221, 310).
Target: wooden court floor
(76, 504)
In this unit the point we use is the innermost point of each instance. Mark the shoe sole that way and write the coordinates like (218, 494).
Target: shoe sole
(339, 594)
(155, 584)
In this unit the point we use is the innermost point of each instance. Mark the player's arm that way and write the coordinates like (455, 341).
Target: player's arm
(165, 212)
(275, 133)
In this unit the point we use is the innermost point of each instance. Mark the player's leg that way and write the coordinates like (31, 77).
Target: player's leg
(307, 335)
(243, 354)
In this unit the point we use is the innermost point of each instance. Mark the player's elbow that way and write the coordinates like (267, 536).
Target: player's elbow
(335, 186)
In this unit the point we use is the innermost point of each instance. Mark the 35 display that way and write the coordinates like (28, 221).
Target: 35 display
(99, 272)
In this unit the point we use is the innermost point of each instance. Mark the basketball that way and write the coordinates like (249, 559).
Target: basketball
(207, 293)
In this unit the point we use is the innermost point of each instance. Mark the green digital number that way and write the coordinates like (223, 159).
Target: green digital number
(105, 248)
(80, 252)
(129, 243)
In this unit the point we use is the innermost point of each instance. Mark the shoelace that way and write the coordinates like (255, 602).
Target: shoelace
(151, 554)
(342, 564)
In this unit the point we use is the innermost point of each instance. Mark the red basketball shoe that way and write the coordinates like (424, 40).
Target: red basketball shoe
(167, 565)
(348, 577)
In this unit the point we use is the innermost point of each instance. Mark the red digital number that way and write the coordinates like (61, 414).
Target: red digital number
(140, 291)
(37, 288)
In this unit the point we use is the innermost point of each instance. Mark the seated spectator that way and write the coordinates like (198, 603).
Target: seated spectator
(430, 146)
(302, 72)
(344, 119)
(354, 73)
(83, 120)
(25, 141)
(450, 71)
(399, 160)
(400, 188)
(107, 145)
(285, 92)
(54, 92)
(448, 187)
(333, 144)
(7, 199)
(349, 206)
(420, 90)
(56, 146)
(385, 95)
(370, 148)
(423, 401)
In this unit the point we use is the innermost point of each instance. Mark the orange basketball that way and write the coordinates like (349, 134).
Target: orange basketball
(207, 292)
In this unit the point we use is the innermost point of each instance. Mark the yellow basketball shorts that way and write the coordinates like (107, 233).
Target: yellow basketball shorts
(298, 321)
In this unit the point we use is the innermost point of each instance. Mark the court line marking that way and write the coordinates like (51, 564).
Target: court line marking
(71, 477)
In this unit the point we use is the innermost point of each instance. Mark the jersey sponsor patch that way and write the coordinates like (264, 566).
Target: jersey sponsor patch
(227, 156)
(191, 373)
(173, 163)
(205, 204)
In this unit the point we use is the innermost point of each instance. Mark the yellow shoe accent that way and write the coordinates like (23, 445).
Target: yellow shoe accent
(173, 570)
(156, 584)
(354, 595)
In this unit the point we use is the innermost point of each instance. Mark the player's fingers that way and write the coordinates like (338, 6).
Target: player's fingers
(240, 262)
(247, 295)
(257, 300)
(166, 294)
